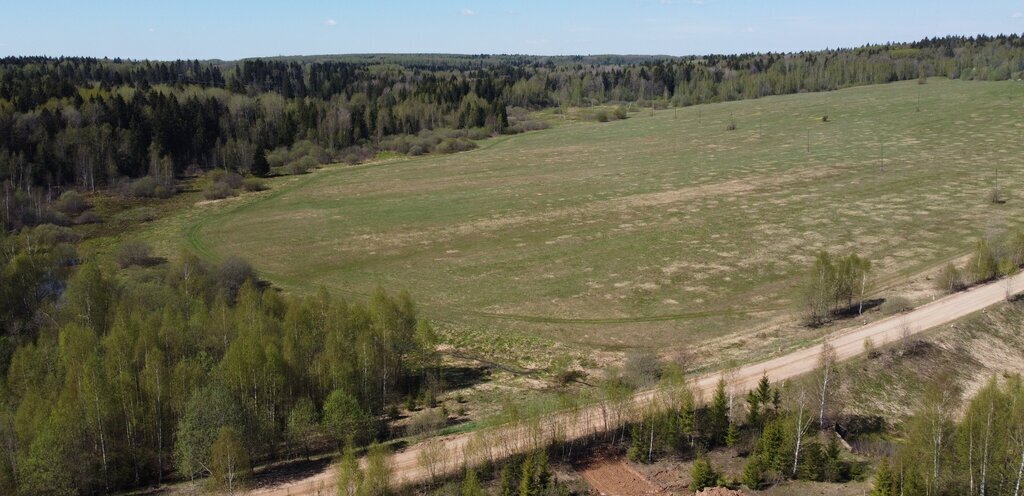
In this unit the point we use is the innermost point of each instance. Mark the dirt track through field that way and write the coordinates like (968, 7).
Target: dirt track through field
(594, 419)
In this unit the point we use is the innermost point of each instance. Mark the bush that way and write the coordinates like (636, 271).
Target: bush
(427, 421)
(895, 305)
(232, 179)
(133, 253)
(526, 126)
(416, 150)
(88, 217)
(731, 126)
(301, 166)
(253, 184)
(50, 234)
(950, 279)
(147, 187)
(452, 145)
(620, 112)
(217, 191)
(137, 215)
(72, 203)
(643, 367)
(601, 116)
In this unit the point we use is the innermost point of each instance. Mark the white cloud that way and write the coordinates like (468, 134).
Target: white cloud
(468, 12)
(1017, 15)
(330, 22)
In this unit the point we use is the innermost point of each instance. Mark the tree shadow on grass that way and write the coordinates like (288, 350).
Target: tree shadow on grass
(290, 471)
(855, 309)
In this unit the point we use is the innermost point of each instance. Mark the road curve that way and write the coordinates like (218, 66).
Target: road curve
(596, 418)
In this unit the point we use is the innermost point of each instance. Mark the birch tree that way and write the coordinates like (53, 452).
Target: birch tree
(828, 380)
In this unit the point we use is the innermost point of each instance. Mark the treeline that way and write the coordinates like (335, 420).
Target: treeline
(118, 378)
(88, 123)
(992, 257)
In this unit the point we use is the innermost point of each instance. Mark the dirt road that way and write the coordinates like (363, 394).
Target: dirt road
(598, 418)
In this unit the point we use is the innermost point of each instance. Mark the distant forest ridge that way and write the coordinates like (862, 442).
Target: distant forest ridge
(87, 123)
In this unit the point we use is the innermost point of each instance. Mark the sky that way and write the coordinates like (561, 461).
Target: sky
(233, 29)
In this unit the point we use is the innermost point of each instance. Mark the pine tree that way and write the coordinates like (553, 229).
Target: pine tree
(471, 485)
(732, 436)
(260, 166)
(885, 483)
(702, 474)
(718, 414)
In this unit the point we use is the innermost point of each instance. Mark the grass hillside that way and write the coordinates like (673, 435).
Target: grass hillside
(664, 229)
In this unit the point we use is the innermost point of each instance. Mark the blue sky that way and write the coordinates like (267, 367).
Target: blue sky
(231, 29)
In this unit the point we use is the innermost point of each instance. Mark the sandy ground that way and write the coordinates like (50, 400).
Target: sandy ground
(594, 419)
(614, 477)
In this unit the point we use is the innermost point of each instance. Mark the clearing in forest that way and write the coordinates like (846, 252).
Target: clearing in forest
(662, 229)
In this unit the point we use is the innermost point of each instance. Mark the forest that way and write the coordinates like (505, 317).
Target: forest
(84, 123)
(117, 377)
(122, 373)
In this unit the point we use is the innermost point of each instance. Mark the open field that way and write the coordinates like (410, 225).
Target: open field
(660, 230)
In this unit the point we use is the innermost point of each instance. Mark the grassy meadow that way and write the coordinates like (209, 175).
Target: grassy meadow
(662, 230)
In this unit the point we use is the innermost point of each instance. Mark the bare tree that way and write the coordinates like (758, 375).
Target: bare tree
(827, 380)
(905, 333)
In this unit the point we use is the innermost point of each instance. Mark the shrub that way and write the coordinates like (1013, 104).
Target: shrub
(452, 145)
(253, 184)
(995, 195)
(427, 421)
(416, 150)
(133, 253)
(643, 367)
(526, 126)
(137, 215)
(88, 217)
(216, 175)
(217, 191)
(601, 116)
(148, 187)
(950, 279)
(895, 305)
(232, 179)
(301, 166)
(620, 112)
(72, 203)
(50, 234)
(731, 126)
(824, 118)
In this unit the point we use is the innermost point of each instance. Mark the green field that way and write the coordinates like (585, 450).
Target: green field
(664, 229)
